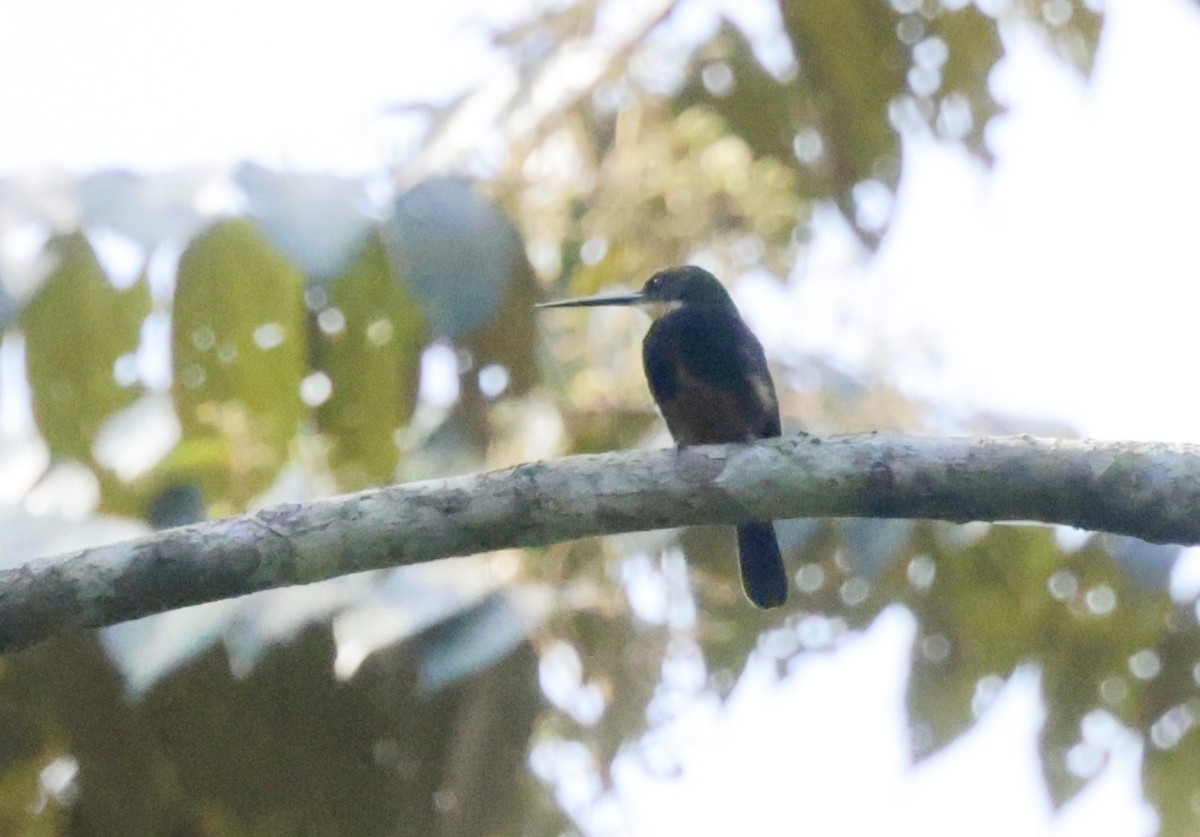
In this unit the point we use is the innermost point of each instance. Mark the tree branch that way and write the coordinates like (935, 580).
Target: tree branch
(1151, 491)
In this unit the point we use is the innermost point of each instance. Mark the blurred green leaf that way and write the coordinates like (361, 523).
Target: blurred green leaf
(764, 111)
(1085, 652)
(77, 707)
(373, 360)
(1013, 596)
(239, 350)
(27, 746)
(1171, 778)
(288, 748)
(77, 327)
(625, 658)
(852, 66)
(599, 430)
(1073, 28)
(973, 47)
(987, 610)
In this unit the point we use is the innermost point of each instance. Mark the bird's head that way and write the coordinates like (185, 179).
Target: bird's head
(663, 292)
(687, 285)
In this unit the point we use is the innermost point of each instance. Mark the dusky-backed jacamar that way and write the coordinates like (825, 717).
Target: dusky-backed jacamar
(709, 377)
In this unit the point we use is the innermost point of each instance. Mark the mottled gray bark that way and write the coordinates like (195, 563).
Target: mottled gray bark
(1151, 491)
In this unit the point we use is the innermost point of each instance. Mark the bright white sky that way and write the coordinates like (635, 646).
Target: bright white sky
(155, 85)
(1080, 305)
(1063, 284)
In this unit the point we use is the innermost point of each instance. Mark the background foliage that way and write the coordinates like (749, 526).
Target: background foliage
(322, 338)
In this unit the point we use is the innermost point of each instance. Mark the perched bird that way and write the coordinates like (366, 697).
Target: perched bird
(708, 375)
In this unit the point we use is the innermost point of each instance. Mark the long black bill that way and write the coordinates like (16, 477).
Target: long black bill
(623, 299)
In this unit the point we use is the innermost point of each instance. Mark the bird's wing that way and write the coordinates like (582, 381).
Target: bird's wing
(709, 376)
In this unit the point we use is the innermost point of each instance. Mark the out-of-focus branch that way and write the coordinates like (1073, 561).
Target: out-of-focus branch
(518, 102)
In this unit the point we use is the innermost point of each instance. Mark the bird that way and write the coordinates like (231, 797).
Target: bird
(708, 375)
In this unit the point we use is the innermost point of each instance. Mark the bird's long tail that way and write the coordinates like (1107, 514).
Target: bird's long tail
(763, 576)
